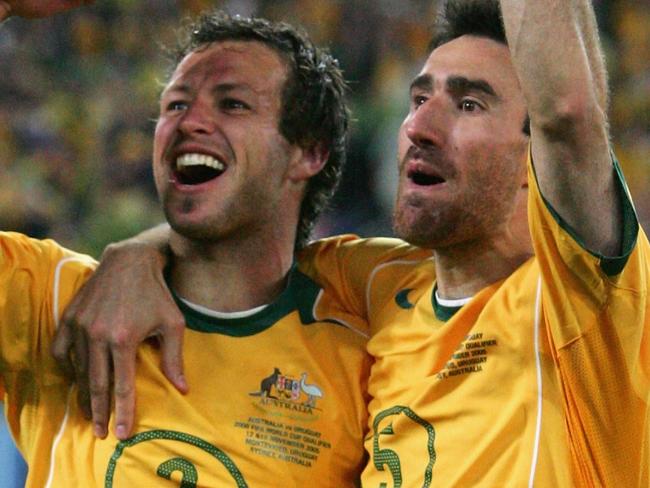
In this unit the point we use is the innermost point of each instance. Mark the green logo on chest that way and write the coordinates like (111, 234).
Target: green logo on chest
(402, 299)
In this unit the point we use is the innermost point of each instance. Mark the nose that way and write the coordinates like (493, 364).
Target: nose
(425, 125)
(198, 117)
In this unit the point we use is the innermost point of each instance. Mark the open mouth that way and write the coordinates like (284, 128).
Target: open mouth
(424, 179)
(194, 169)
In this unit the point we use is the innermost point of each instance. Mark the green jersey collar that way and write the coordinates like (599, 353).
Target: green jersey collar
(300, 295)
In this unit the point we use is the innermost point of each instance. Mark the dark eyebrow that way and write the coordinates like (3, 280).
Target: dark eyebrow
(461, 85)
(422, 82)
(227, 87)
(219, 89)
(174, 89)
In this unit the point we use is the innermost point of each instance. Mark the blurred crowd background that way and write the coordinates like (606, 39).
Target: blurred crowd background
(78, 95)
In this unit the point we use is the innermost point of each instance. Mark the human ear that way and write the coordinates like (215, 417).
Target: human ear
(308, 162)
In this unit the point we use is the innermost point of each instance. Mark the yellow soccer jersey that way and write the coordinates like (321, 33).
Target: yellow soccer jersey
(37, 279)
(539, 380)
(277, 398)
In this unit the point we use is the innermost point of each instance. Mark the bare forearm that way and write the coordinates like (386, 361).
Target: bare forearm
(156, 240)
(556, 53)
(587, 20)
(555, 50)
(150, 246)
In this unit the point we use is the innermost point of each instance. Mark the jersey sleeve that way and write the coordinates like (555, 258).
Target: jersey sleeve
(595, 314)
(345, 265)
(37, 279)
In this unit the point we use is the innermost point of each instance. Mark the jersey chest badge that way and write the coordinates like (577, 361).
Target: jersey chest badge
(289, 394)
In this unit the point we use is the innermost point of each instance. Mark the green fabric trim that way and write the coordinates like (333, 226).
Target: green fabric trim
(442, 313)
(299, 295)
(611, 265)
(305, 292)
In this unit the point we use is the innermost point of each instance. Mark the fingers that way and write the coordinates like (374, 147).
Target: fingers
(70, 348)
(99, 372)
(172, 354)
(90, 368)
(80, 362)
(124, 391)
(62, 347)
(122, 304)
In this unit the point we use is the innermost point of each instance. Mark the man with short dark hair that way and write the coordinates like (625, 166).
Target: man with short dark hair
(498, 362)
(278, 367)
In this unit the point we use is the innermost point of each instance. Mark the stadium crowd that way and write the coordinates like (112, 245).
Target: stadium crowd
(78, 99)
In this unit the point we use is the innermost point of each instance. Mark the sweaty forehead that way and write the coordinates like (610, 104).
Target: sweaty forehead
(249, 62)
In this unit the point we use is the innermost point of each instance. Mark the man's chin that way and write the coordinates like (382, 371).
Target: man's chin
(422, 229)
(414, 231)
(416, 239)
(195, 229)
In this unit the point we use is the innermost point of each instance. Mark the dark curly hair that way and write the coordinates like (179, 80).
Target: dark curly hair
(314, 108)
(480, 18)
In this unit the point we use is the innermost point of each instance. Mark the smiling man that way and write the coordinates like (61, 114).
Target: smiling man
(278, 367)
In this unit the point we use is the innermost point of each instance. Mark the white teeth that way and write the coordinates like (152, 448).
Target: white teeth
(195, 159)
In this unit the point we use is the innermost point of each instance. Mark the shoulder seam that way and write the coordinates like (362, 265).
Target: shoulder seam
(382, 266)
(338, 319)
(56, 287)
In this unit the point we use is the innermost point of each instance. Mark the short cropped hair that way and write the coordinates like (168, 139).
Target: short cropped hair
(468, 17)
(314, 111)
(481, 18)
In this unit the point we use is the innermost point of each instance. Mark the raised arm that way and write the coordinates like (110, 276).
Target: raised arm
(556, 53)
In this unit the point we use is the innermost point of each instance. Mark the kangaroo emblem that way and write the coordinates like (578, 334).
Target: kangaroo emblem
(266, 384)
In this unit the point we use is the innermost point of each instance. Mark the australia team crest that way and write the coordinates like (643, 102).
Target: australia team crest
(289, 393)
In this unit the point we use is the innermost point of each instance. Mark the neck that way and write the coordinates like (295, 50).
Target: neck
(463, 270)
(230, 276)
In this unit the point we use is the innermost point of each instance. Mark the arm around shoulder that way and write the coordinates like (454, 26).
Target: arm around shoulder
(125, 302)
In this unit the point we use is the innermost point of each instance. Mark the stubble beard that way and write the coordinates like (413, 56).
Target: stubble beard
(234, 219)
(441, 225)
(476, 207)
(202, 231)
(418, 223)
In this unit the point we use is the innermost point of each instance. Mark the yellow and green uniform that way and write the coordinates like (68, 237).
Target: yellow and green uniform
(540, 379)
(277, 398)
